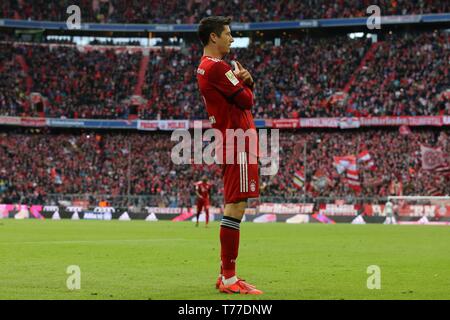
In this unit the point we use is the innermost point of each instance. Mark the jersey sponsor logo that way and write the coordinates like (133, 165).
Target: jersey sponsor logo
(230, 75)
(201, 71)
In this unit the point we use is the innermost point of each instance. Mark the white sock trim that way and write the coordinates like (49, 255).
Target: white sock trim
(229, 281)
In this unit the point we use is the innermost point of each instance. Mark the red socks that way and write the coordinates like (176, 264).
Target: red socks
(229, 241)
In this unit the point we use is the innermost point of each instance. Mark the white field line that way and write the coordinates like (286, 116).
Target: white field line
(116, 241)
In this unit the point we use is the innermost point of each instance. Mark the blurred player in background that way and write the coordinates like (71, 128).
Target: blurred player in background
(202, 191)
(389, 213)
(228, 95)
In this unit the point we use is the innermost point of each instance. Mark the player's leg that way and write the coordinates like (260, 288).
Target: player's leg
(393, 219)
(229, 238)
(206, 214)
(240, 183)
(199, 210)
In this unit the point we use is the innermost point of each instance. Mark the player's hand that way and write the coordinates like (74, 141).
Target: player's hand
(243, 74)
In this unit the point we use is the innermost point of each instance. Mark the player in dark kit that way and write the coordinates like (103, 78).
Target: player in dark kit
(228, 95)
(202, 190)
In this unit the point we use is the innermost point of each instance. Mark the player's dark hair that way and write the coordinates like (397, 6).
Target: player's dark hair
(210, 25)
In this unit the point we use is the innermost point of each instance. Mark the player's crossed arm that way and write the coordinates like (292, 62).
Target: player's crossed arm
(225, 80)
(243, 74)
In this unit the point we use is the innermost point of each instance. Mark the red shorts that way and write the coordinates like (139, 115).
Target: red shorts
(202, 204)
(241, 180)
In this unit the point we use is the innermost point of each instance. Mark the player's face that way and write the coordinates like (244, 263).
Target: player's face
(225, 40)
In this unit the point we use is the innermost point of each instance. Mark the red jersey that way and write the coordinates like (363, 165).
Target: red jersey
(203, 188)
(228, 100)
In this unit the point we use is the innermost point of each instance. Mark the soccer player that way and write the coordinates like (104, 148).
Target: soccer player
(202, 190)
(228, 95)
(389, 212)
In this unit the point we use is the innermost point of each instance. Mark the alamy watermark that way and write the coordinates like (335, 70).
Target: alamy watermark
(73, 282)
(73, 22)
(200, 149)
(374, 21)
(374, 280)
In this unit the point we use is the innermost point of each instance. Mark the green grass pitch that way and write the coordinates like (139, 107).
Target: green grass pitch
(167, 260)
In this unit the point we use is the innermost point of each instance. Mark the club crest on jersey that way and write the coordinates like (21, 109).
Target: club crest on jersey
(230, 75)
(252, 186)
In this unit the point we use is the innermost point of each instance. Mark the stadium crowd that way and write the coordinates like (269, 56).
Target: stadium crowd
(191, 11)
(75, 84)
(400, 164)
(405, 76)
(35, 165)
(12, 82)
(300, 78)
(402, 75)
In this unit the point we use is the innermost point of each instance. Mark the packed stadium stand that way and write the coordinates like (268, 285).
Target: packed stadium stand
(297, 79)
(98, 163)
(76, 84)
(404, 75)
(191, 11)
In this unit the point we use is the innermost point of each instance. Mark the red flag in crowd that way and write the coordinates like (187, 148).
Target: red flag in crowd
(299, 178)
(348, 164)
(432, 158)
(365, 158)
